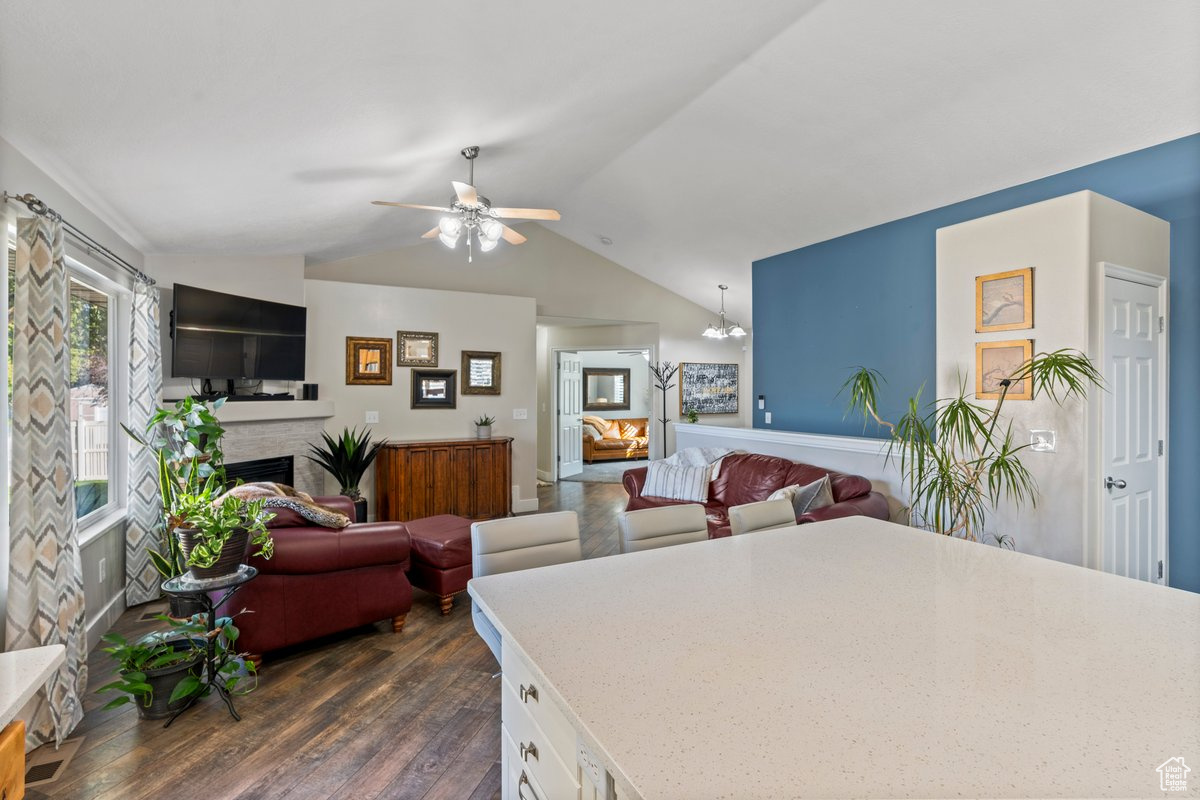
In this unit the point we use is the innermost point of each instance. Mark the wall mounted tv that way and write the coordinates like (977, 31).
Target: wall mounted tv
(217, 335)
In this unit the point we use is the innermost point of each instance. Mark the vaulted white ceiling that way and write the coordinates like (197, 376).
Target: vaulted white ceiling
(696, 136)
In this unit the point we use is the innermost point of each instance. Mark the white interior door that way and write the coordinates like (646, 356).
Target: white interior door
(570, 414)
(1134, 532)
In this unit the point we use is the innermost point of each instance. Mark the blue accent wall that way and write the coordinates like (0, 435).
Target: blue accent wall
(867, 298)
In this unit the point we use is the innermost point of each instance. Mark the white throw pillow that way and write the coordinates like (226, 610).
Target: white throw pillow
(810, 497)
(676, 483)
(593, 431)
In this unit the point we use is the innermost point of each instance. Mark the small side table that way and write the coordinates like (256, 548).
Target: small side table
(186, 586)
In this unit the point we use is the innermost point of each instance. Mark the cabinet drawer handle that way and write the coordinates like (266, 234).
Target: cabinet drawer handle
(521, 784)
(528, 750)
(528, 693)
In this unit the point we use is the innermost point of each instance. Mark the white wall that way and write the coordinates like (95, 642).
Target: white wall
(1062, 240)
(463, 321)
(639, 379)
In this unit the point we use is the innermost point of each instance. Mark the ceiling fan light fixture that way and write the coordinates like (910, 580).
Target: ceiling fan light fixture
(450, 226)
(449, 241)
(486, 245)
(490, 230)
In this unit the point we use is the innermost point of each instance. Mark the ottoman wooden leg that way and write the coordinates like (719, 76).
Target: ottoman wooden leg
(447, 603)
(398, 623)
(255, 659)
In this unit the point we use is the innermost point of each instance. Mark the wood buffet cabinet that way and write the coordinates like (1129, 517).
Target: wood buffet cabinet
(468, 477)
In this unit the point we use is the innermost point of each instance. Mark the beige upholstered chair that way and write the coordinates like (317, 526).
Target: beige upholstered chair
(761, 516)
(516, 543)
(648, 528)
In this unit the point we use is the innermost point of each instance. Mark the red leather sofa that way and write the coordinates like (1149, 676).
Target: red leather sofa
(323, 581)
(750, 477)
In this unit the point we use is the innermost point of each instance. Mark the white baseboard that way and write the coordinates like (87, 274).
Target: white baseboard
(525, 506)
(543, 475)
(98, 625)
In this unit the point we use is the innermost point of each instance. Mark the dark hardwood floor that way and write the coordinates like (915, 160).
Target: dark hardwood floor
(370, 714)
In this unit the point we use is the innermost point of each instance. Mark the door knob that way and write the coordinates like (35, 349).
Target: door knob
(1110, 484)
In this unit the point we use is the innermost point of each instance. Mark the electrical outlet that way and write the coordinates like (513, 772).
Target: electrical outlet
(103, 569)
(372, 417)
(520, 413)
(767, 417)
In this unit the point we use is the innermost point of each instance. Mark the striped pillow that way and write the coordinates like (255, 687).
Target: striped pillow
(676, 483)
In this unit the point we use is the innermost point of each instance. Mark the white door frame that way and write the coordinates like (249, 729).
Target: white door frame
(1094, 546)
(554, 351)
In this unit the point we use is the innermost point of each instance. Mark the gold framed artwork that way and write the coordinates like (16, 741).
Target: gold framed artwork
(416, 349)
(995, 361)
(480, 372)
(368, 361)
(1004, 301)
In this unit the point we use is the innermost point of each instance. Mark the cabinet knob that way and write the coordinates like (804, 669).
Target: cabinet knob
(528, 693)
(528, 750)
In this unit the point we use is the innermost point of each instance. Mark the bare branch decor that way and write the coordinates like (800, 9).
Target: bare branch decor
(663, 374)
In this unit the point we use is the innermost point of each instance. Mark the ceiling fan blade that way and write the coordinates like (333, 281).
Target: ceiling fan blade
(511, 236)
(431, 233)
(526, 213)
(410, 205)
(466, 193)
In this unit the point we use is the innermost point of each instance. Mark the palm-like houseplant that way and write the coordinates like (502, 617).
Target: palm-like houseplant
(347, 459)
(959, 459)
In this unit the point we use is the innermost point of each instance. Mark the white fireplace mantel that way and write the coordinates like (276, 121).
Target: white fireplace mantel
(274, 410)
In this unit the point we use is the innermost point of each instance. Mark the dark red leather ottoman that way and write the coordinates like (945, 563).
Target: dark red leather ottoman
(441, 556)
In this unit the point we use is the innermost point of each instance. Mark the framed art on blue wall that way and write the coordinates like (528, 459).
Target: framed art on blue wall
(708, 388)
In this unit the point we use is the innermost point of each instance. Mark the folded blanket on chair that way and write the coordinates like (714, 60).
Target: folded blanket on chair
(277, 495)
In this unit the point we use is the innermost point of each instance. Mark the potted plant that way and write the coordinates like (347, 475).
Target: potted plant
(216, 532)
(163, 671)
(347, 459)
(186, 442)
(483, 426)
(957, 458)
(693, 416)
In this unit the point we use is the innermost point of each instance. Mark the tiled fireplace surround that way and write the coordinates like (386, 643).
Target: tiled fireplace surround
(268, 429)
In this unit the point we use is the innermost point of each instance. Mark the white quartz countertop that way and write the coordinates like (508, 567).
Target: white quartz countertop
(22, 673)
(855, 657)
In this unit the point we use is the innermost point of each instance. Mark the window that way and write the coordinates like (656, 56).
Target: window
(97, 451)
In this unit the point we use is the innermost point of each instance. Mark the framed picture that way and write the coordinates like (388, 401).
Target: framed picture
(481, 372)
(708, 388)
(995, 361)
(1004, 301)
(605, 389)
(416, 349)
(368, 361)
(434, 388)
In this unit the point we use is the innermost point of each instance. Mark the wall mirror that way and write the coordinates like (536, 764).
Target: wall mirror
(605, 389)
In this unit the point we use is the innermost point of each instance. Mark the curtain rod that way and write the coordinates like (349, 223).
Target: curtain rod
(93, 247)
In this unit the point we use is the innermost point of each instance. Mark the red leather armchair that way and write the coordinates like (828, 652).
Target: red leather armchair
(323, 581)
(750, 477)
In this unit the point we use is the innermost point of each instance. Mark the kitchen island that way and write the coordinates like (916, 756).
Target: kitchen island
(852, 657)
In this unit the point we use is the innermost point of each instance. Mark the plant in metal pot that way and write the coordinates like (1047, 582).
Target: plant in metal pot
(958, 459)
(483, 426)
(347, 458)
(162, 671)
(217, 531)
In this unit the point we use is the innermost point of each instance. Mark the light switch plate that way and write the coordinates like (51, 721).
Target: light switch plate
(1042, 441)
(520, 413)
(372, 417)
(767, 417)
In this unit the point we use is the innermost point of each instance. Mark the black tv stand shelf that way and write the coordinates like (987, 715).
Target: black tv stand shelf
(229, 398)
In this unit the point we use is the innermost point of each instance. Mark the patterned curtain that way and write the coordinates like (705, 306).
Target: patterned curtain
(45, 583)
(143, 507)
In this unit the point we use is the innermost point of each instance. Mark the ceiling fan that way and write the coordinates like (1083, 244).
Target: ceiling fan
(473, 214)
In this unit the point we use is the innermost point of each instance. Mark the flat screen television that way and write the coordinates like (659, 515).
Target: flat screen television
(217, 335)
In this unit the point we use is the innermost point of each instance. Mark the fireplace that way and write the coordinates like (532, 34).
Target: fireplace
(274, 470)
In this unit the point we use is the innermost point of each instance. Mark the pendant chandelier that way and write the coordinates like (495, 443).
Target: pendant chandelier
(724, 330)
